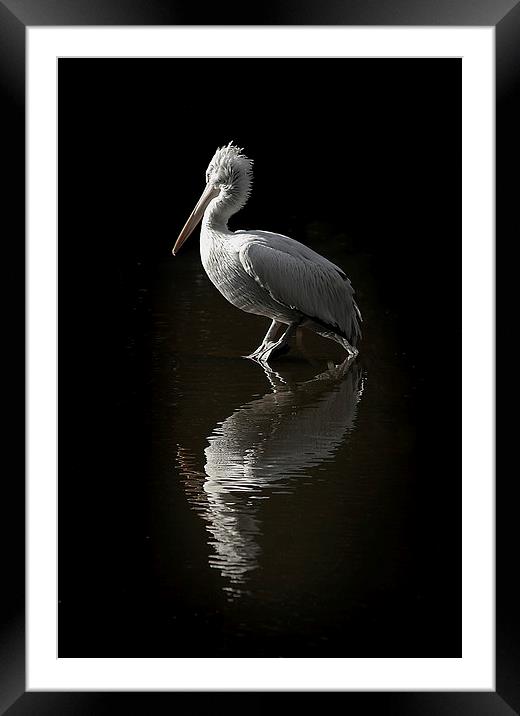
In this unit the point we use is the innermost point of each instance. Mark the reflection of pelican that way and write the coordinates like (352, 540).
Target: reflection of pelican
(259, 450)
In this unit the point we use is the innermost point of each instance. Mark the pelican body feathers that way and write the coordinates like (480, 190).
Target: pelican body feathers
(265, 273)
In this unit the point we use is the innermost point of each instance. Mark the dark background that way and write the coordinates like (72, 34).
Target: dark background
(374, 145)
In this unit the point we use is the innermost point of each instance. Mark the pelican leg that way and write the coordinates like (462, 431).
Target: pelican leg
(268, 339)
(352, 352)
(275, 346)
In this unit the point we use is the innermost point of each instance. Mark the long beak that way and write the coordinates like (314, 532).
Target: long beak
(196, 215)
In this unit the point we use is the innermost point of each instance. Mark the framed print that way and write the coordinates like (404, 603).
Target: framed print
(313, 520)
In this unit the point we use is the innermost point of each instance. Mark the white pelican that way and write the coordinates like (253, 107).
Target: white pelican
(264, 273)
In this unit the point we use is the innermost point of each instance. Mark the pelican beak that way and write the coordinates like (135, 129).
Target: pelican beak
(209, 193)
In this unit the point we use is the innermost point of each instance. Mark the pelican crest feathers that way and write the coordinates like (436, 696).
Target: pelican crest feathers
(232, 172)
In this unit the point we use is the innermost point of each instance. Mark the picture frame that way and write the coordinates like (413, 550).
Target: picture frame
(14, 18)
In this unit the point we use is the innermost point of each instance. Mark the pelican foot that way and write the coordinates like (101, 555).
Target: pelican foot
(268, 342)
(255, 355)
(274, 348)
(272, 351)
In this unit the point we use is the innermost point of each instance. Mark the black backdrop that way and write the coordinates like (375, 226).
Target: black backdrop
(374, 145)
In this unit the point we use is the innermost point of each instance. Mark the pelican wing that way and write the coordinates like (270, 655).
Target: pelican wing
(301, 279)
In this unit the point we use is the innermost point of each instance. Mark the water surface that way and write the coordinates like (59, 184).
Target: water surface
(250, 513)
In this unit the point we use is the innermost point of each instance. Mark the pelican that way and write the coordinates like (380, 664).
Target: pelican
(264, 273)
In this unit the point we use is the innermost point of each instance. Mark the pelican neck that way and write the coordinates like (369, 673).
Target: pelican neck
(215, 222)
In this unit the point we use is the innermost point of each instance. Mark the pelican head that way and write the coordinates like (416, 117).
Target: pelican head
(228, 186)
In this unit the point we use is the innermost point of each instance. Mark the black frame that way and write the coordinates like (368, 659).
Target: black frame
(15, 15)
